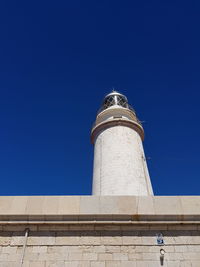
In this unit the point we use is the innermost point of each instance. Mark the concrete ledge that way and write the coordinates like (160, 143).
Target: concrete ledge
(102, 209)
(103, 219)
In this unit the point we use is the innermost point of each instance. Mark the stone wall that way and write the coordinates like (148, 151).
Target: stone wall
(99, 231)
(100, 245)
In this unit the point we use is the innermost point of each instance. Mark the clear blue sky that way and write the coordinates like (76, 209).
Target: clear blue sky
(57, 61)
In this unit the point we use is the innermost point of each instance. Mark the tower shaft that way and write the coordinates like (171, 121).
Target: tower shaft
(120, 166)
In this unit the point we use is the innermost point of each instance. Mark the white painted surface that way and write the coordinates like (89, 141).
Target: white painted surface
(119, 163)
(115, 111)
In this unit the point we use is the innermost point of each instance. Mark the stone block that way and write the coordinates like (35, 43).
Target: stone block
(50, 205)
(4, 257)
(105, 256)
(18, 205)
(75, 256)
(144, 264)
(25, 264)
(118, 205)
(97, 264)
(185, 264)
(131, 238)
(67, 238)
(81, 227)
(148, 239)
(41, 238)
(134, 227)
(14, 257)
(40, 217)
(5, 238)
(107, 227)
(182, 248)
(52, 256)
(19, 228)
(57, 263)
(195, 263)
(9, 264)
(55, 249)
(29, 249)
(36, 264)
(9, 250)
(153, 263)
(191, 256)
(173, 263)
(174, 256)
(111, 240)
(17, 239)
(151, 256)
(127, 204)
(158, 227)
(120, 256)
(89, 205)
(128, 263)
(128, 249)
(134, 256)
(34, 205)
(108, 205)
(87, 249)
(5, 204)
(190, 205)
(90, 240)
(69, 205)
(53, 228)
(39, 249)
(167, 248)
(90, 256)
(145, 206)
(165, 205)
(193, 248)
(112, 249)
(99, 249)
(113, 264)
(184, 227)
(77, 264)
(31, 256)
(142, 249)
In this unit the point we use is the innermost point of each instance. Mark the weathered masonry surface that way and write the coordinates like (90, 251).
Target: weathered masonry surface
(99, 231)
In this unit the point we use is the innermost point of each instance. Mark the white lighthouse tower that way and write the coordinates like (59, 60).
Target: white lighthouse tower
(120, 166)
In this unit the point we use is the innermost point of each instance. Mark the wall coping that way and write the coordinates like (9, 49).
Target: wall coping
(100, 209)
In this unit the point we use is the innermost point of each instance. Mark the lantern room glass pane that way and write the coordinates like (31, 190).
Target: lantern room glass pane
(115, 99)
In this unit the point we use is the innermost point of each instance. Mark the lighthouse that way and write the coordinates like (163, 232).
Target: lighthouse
(120, 166)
